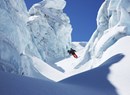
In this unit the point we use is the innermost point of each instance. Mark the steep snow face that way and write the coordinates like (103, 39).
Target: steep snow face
(50, 29)
(119, 76)
(112, 24)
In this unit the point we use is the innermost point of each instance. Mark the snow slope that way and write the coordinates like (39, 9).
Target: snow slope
(111, 78)
(78, 45)
(103, 64)
(106, 35)
(18, 85)
(112, 75)
(107, 46)
(119, 76)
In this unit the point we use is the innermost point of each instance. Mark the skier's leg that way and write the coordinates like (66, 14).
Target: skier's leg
(75, 56)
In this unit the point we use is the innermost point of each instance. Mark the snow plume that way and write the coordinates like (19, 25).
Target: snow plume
(50, 29)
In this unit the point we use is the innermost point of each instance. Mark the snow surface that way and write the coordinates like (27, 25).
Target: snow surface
(78, 45)
(35, 44)
(119, 76)
(111, 78)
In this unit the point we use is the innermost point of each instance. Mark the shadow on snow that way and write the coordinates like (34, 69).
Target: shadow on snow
(93, 82)
(96, 78)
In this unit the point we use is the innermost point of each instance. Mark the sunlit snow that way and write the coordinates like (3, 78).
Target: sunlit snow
(34, 44)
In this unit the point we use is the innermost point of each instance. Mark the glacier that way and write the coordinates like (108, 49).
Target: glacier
(27, 33)
(49, 22)
(34, 43)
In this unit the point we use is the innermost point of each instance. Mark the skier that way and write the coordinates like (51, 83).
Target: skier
(72, 51)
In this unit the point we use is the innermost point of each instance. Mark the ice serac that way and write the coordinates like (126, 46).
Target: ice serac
(15, 38)
(112, 24)
(55, 4)
(43, 32)
(50, 29)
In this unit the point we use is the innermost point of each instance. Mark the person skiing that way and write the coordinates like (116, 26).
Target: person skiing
(72, 51)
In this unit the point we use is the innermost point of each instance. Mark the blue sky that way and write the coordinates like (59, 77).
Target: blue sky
(82, 14)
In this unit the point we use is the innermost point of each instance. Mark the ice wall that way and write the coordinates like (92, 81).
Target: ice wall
(50, 29)
(44, 32)
(15, 38)
(112, 24)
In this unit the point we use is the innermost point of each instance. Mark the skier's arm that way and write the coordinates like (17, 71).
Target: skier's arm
(74, 50)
